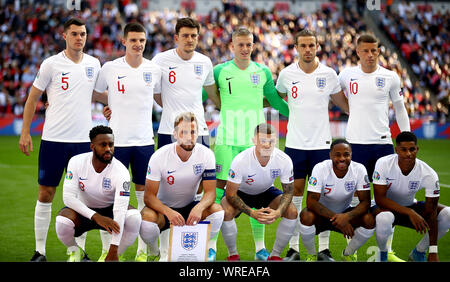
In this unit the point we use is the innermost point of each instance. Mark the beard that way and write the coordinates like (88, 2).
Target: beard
(187, 148)
(102, 158)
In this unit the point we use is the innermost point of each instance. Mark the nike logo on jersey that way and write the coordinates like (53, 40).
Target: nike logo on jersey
(329, 185)
(353, 79)
(251, 175)
(228, 78)
(65, 73)
(172, 68)
(389, 179)
(120, 77)
(295, 82)
(170, 172)
(81, 178)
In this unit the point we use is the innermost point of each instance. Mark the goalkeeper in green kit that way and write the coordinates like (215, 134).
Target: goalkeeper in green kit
(242, 85)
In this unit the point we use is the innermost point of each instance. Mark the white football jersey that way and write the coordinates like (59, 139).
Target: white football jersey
(181, 87)
(368, 98)
(336, 193)
(85, 189)
(130, 97)
(255, 179)
(69, 87)
(308, 97)
(403, 188)
(178, 180)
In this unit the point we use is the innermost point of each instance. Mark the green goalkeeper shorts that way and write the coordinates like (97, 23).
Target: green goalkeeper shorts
(224, 156)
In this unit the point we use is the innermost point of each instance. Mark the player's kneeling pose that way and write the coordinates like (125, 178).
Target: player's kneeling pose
(96, 193)
(330, 190)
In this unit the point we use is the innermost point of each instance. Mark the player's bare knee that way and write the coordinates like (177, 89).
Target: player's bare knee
(368, 221)
(307, 217)
(68, 213)
(149, 215)
(46, 194)
(291, 212)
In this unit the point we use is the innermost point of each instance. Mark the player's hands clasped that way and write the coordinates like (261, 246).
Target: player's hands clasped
(175, 218)
(266, 215)
(340, 221)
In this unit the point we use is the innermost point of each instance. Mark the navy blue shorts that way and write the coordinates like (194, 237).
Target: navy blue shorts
(368, 154)
(403, 220)
(262, 200)
(184, 211)
(164, 139)
(137, 157)
(305, 160)
(53, 160)
(87, 224)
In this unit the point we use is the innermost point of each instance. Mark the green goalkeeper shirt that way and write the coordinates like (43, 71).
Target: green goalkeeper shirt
(241, 96)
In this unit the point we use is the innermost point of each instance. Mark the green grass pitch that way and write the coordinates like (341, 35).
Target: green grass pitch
(18, 195)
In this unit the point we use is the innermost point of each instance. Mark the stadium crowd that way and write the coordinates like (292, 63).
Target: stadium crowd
(33, 32)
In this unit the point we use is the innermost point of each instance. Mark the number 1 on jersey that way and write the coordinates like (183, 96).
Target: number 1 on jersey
(120, 88)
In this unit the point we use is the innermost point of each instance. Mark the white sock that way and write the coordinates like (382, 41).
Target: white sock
(164, 245)
(284, 232)
(308, 234)
(81, 240)
(149, 234)
(42, 218)
(131, 229)
(293, 242)
(384, 221)
(106, 240)
(443, 220)
(389, 241)
(229, 234)
(360, 238)
(216, 220)
(142, 246)
(324, 240)
(65, 230)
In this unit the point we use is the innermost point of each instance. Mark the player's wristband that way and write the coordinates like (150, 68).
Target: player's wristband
(433, 249)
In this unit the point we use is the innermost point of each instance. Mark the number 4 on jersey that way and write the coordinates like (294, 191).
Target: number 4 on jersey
(120, 87)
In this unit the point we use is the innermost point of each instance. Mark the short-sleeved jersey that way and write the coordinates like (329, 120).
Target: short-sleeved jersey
(85, 189)
(69, 87)
(179, 180)
(308, 97)
(241, 97)
(181, 87)
(368, 98)
(336, 193)
(403, 188)
(130, 97)
(253, 178)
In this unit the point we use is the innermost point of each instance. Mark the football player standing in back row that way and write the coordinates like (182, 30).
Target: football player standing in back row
(309, 86)
(368, 88)
(69, 79)
(243, 85)
(131, 82)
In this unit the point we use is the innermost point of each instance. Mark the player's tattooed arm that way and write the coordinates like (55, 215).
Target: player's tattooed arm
(239, 204)
(312, 203)
(286, 198)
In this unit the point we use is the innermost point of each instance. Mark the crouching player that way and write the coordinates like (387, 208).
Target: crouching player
(96, 193)
(250, 185)
(396, 180)
(330, 190)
